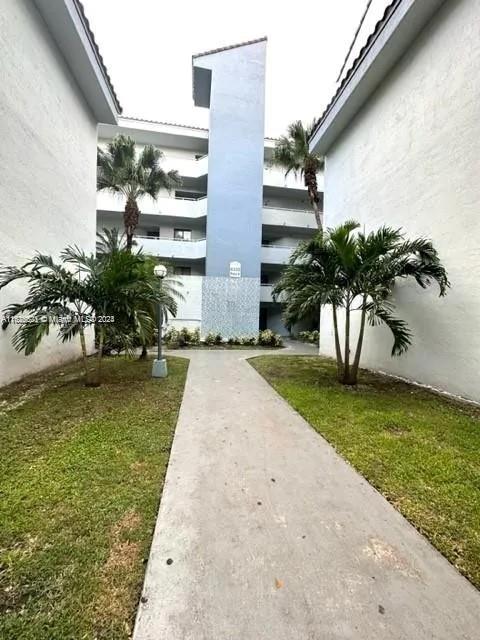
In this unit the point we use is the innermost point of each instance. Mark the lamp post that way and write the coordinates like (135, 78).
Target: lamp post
(159, 368)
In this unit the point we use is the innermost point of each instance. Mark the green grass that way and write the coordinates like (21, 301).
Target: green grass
(420, 450)
(81, 474)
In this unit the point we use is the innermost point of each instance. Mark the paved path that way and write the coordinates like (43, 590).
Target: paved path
(274, 537)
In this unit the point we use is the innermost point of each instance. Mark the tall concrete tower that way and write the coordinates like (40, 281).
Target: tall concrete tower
(231, 83)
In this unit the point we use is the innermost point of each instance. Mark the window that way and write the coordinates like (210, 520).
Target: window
(182, 271)
(153, 234)
(182, 234)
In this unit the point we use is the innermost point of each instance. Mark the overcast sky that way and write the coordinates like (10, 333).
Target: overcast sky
(147, 46)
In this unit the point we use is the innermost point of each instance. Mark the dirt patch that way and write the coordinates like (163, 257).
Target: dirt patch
(113, 607)
(397, 429)
(138, 466)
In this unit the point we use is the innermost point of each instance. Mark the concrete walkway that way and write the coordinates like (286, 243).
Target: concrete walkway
(265, 533)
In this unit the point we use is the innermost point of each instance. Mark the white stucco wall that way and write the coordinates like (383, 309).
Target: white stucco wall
(189, 312)
(47, 164)
(411, 159)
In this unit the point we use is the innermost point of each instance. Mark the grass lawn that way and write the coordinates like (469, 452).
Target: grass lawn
(420, 450)
(81, 474)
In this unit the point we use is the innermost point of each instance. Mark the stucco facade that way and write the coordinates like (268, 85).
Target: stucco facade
(47, 164)
(233, 207)
(410, 158)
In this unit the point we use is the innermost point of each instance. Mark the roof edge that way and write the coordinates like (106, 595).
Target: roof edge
(400, 24)
(70, 29)
(228, 47)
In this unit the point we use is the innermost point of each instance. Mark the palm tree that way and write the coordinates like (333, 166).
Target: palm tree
(346, 269)
(121, 170)
(110, 241)
(292, 153)
(117, 292)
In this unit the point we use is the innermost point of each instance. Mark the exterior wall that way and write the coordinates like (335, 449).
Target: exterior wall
(235, 158)
(189, 312)
(411, 159)
(47, 164)
(235, 187)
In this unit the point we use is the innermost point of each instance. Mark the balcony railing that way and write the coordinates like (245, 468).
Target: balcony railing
(288, 217)
(173, 248)
(276, 253)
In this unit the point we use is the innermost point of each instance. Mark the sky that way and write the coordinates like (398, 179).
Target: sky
(147, 46)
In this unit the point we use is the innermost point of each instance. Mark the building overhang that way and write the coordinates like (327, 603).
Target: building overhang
(202, 75)
(69, 27)
(402, 22)
(202, 84)
(161, 134)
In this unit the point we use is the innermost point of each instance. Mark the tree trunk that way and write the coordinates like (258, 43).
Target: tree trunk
(84, 353)
(358, 352)
(130, 220)
(96, 380)
(338, 349)
(143, 355)
(346, 368)
(312, 188)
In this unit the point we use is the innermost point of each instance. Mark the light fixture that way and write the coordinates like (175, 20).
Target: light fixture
(160, 270)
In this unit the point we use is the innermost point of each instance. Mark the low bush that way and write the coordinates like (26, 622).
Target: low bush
(309, 336)
(183, 337)
(268, 338)
(211, 339)
(178, 338)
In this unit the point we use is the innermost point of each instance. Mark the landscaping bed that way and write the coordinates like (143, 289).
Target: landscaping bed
(419, 449)
(81, 475)
(190, 339)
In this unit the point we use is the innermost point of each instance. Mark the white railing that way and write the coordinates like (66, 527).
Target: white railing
(276, 253)
(171, 248)
(169, 239)
(288, 217)
(282, 209)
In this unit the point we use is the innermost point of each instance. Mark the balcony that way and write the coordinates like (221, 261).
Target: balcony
(295, 218)
(275, 177)
(276, 253)
(197, 208)
(266, 293)
(176, 207)
(170, 248)
(188, 168)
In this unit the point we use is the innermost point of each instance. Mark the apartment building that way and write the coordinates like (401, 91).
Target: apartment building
(54, 91)
(236, 219)
(401, 142)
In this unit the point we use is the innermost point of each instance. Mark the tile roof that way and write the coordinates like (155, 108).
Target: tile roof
(231, 46)
(389, 11)
(91, 37)
(172, 124)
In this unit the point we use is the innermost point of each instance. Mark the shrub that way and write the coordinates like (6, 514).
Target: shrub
(172, 338)
(210, 339)
(182, 338)
(248, 341)
(218, 339)
(309, 336)
(267, 338)
(195, 336)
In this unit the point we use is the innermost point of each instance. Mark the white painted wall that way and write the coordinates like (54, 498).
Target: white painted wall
(411, 158)
(47, 164)
(189, 313)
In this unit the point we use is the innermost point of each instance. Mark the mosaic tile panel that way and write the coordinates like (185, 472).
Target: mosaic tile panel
(230, 306)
